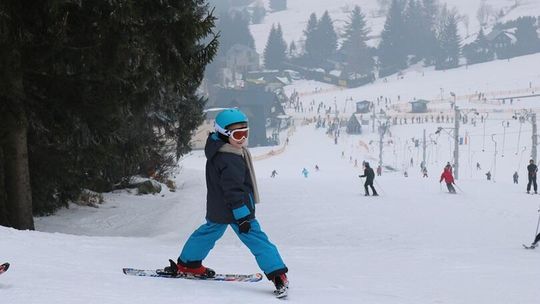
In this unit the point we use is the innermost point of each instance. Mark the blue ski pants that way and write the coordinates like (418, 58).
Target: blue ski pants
(204, 238)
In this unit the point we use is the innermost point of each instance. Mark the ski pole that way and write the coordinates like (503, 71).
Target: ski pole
(379, 186)
(459, 188)
(537, 225)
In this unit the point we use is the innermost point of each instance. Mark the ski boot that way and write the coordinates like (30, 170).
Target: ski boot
(175, 269)
(282, 285)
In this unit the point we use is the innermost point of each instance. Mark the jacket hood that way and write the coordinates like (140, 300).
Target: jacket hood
(213, 144)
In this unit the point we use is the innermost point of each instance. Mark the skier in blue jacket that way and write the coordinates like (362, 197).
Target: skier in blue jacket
(230, 201)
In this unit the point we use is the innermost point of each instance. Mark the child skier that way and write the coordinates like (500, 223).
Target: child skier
(448, 178)
(230, 201)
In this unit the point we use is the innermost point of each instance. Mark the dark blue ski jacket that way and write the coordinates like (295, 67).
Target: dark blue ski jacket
(228, 182)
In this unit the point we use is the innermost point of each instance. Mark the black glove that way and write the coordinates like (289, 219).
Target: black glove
(244, 225)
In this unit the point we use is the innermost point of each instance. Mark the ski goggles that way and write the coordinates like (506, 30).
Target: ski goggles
(236, 134)
(239, 134)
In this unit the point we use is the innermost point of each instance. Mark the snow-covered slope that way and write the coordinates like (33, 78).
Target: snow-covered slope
(294, 19)
(414, 244)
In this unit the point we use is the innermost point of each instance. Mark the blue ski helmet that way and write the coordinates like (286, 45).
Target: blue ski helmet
(228, 117)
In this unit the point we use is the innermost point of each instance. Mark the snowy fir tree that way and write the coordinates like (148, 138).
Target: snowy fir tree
(449, 42)
(293, 50)
(327, 37)
(527, 41)
(412, 18)
(428, 40)
(258, 14)
(357, 54)
(233, 29)
(321, 39)
(275, 50)
(77, 117)
(392, 50)
(478, 51)
(311, 43)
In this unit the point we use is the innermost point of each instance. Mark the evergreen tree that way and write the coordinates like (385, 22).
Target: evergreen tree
(392, 48)
(293, 51)
(274, 52)
(478, 51)
(326, 38)
(258, 13)
(311, 42)
(527, 41)
(357, 55)
(103, 87)
(449, 42)
(234, 29)
(429, 45)
(414, 30)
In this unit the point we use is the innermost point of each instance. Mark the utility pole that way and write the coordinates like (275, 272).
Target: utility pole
(382, 131)
(534, 137)
(373, 116)
(424, 149)
(456, 142)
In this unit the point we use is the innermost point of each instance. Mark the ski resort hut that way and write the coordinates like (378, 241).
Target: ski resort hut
(419, 106)
(363, 106)
(354, 125)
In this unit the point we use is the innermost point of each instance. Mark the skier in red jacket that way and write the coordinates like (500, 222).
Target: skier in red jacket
(448, 178)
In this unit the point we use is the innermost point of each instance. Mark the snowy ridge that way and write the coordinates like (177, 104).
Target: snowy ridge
(293, 20)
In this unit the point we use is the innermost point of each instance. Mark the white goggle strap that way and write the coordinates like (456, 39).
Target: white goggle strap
(221, 130)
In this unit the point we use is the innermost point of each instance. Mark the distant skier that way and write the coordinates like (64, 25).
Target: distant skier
(478, 166)
(379, 170)
(448, 179)
(370, 177)
(424, 172)
(532, 169)
(488, 175)
(305, 172)
(316, 167)
(274, 173)
(515, 177)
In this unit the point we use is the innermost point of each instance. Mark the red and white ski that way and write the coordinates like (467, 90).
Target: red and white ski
(159, 273)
